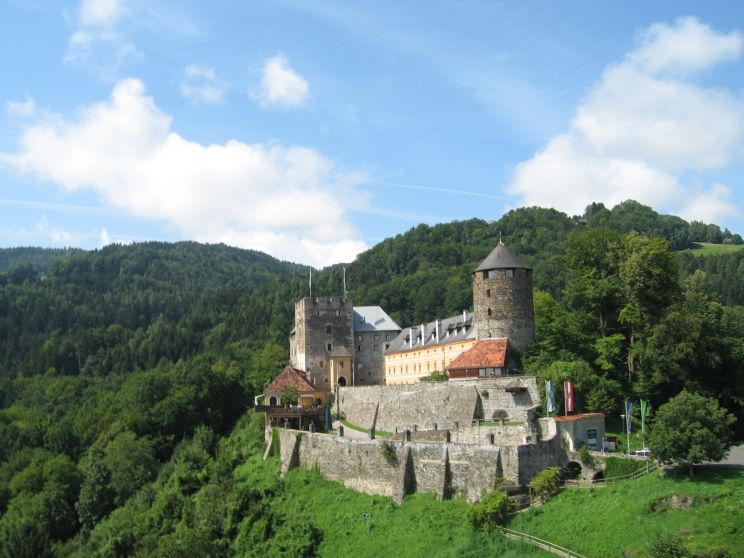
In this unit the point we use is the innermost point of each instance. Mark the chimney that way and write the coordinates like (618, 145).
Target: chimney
(410, 338)
(464, 316)
(436, 330)
(423, 335)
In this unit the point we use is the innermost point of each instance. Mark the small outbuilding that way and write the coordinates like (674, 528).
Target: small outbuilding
(292, 382)
(487, 358)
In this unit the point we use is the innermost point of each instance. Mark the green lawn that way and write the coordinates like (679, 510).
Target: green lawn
(621, 519)
(708, 249)
(421, 526)
(378, 433)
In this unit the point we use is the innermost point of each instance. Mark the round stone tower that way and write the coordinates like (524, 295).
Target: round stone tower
(502, 298)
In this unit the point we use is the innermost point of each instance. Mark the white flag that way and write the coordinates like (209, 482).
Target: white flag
(549, 396)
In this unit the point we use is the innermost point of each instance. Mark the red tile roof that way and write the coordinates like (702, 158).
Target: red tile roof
(577, 417)
(290, 377)
(486, 353)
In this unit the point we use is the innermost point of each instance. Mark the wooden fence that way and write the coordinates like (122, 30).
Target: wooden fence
(540, 543)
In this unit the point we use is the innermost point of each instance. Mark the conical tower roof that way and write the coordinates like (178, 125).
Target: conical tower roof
(501, 258)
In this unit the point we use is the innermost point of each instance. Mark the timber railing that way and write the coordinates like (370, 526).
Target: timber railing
(540, 543)
(630, 476)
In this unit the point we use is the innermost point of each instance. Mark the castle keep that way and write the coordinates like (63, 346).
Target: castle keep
(339, 344)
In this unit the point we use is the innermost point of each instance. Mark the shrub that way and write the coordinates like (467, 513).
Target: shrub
(546, 483)
(388, 452)
(485, 394)
(435, 376)
(586, 457)
(490, 512)
(621, 466)
(668, 546)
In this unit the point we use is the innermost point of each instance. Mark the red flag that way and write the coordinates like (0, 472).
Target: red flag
(568, 389)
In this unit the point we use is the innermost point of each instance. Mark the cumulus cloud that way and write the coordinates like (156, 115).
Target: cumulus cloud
(22, 109)
(643, 128)
(201, 85)
(291, 202)
(59, 235)
(280, 84)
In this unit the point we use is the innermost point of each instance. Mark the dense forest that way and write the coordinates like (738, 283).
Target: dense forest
(127, 373)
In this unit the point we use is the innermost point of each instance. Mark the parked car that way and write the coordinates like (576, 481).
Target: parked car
(644, 452)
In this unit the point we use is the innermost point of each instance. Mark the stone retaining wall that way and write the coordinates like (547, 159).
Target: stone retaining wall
(443, 404)
(404, 467)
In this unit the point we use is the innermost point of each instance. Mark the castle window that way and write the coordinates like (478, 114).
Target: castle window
(489, 274)
(329, 346)
(376, 347)
(488, 292)
(509, 272)
(341, 365)
(359, 348)
(321, 364)
(387, 337)
(329, 329)
(387, 346)
(489, 311)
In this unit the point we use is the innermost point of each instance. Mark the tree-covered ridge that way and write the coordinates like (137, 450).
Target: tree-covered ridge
(38, 259)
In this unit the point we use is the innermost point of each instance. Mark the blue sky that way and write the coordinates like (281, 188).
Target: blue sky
(312, 130)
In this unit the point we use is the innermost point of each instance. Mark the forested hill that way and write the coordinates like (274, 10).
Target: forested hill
(124, 372)
(125, 307)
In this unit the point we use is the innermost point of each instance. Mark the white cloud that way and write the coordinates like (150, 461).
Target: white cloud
(97, 44)
(59, 235)
(22, 109)
(100, 12)
(289, 201)
(710, 205)
(201, 85)
(643, 128)
(280, 84)
(684, 48)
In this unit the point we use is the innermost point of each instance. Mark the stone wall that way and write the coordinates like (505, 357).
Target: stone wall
(533, 458)
(369, 356)
(510, 435)
(361, 464)
(509, 300)
(440, 405)
(403, 406)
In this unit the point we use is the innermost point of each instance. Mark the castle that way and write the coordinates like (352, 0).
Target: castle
(458, 436)
(339, 344)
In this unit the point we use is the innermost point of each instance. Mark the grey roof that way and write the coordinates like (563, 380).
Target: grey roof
(340, 351)
(451, 329)
(373, 318)
(501, 258)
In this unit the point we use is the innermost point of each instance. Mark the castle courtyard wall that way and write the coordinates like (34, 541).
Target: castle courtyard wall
(426, 406)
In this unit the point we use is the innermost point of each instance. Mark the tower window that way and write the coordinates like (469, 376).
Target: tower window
(509, 272)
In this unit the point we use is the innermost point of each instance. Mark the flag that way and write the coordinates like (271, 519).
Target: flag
(644, 413)
(549, 396)
(628, 416)
(568, 388)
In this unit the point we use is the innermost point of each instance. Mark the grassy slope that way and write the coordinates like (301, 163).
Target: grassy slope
(420, 527)
(618, 518)
(707, 249)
